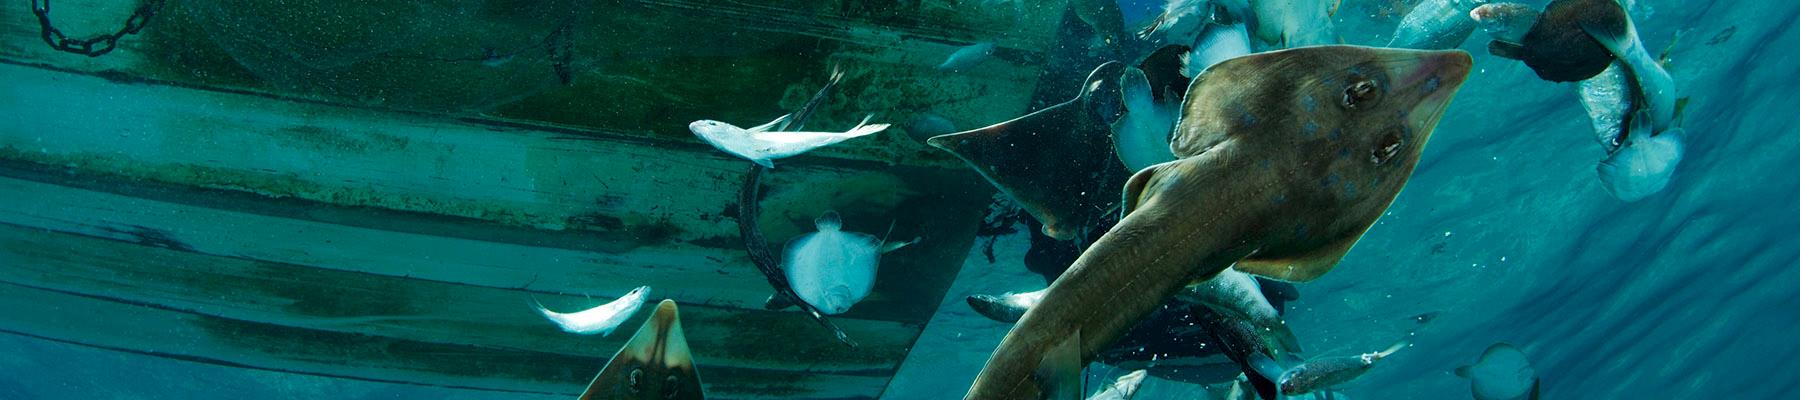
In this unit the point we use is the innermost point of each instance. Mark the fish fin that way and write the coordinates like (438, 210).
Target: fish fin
(1134, 188)
(1059, 373)
(1505, 49)
(1032, 159)
(1680, 112)
(1134, 89)
(1262, 374)
(865, 128)
(777, 302)
(1615, 37)
(891, 246)
(1534, 387)
(771, 124)
(764, 162)
(1156, 24)
(1403, 343)
(1301, 267)
(1665, 57)
(1164, 72)
(1284, 337)
(830, 220)
(1463, 371)
(1335, 4)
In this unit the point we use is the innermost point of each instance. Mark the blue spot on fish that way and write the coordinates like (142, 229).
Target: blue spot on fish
(1301, 231)
(1431, 85)
(1309, 103)
(1309, 129)
(1337, 134)
(1349, 189)
(1266, 163)
(1329, 180)
(1279, 200)
(1343, 152)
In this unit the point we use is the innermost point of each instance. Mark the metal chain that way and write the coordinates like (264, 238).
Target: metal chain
(94, 46)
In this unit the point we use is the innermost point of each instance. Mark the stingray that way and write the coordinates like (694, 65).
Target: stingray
(1058, 162)
(1284, 159)
(654, 365)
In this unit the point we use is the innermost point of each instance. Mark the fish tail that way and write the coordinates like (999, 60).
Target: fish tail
(864, 128)
(1154, 25)
(1403, 343)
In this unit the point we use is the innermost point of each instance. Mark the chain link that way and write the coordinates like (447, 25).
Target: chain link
(94, 46)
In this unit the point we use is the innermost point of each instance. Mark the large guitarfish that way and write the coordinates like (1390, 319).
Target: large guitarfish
(1285, 159)
(654, 364)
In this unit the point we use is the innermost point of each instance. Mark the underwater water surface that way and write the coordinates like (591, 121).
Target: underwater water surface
(1503, 231)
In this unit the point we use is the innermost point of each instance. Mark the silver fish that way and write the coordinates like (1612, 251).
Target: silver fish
(1323, 373)
(967, 57)
(832, 269)
(598, 320)
(1124, 388)
(1436, 25)
(761, 145)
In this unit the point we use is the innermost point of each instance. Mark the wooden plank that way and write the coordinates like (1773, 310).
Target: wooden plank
(655, 213)
(145, 329)
(413, 309)
(658, 63)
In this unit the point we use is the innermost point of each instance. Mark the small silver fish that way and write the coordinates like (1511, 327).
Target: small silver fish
(601, 320)
(1007, 307)
(761, 145)
(967, 57)
(1508, 22)
(1124, 388)
(1324, 373)
(1179, 18)
(1436, 25)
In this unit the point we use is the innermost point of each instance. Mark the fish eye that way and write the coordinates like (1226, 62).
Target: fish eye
(637, 380)
(1361, 94)
(1387, 147)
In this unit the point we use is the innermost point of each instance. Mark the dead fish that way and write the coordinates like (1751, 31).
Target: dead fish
(602, 319)
(1644, 164)
(1558, 47)
(1236, 294)
(762, 146)
(967, 57)
(1324, 373)
(1123, 388)
(1295, 154)
(1607, 97)
(655, 364)
(1502, 373)
(1219, 42)
(832, 269)
(1436, 25)
(1141, 137)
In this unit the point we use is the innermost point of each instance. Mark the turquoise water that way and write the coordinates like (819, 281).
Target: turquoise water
(1503, 231)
